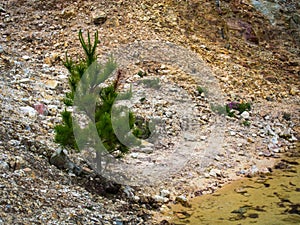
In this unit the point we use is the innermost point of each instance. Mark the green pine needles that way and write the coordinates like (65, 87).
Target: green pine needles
(97, 102)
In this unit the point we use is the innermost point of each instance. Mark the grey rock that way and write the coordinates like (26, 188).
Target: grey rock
(215, 173)
(129, 192)
(147, 150)
(181, 198)
(99, 17)
(2, 9)
(168, 114)
(183, 201)
(189, 137)
(4, 166)
(118, 222)
(60, 159)
(269, 130)
(286, 133)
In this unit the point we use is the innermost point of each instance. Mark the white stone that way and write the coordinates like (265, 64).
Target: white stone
(134, 155)
(27, 110)
(203, 138)
(217, 158)
(136, 198)
(165, 193)
(206, 175)
(245, 115)
(168, 114)
(181, 198)
(215, 173)
(159, 198)
(232, 133)
(26, 57)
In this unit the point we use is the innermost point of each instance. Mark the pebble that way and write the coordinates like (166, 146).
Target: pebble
(27, 170)
(99, 17)
(165, 193)
(2, 9)
(274, 140)
(147, 150)
(4, 166)
(181, 198)
(68, 12)
(134, 155)
(189, 137)
(26, 57)
(17, 163)
(61, 160)
(240, 190)
(232, 133)
(136, 198)
(41, 109)
(203, 138)
(215, 173)
(218, 158)
(183, 201)
(13, 142)
(250, 140)
(206, 175)
(286, 133)
(161, 199)
(168, 114)
(52, 84)
(245, 115)
(27, 110)
(253, 170)
(147, 144)
(293, 91)
(163, 209)
(53, 108)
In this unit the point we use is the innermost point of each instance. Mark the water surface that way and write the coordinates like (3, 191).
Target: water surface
(272, 199)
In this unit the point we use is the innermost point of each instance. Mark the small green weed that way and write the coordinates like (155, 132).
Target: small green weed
(219, 109)
(240, 107)
(142, 73)
(201, 90)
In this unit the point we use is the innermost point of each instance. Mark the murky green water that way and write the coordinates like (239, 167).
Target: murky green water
(270, 200)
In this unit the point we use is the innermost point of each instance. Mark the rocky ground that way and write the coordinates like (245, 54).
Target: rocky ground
(249, 56)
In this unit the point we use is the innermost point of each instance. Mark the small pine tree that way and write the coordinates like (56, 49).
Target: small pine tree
(95, 74)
